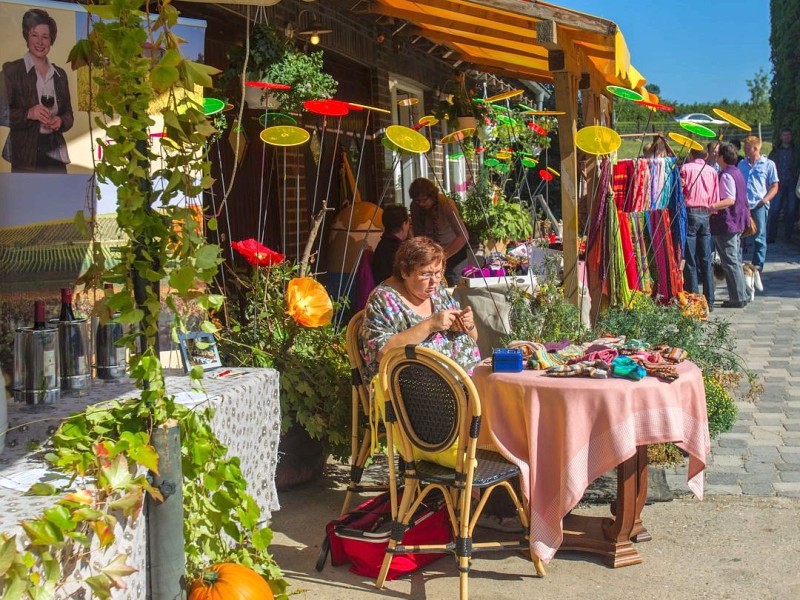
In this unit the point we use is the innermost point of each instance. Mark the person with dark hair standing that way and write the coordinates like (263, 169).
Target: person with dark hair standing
(787, 159)
(436, 216)
(39, 103)
(395, 229)
(728, 221)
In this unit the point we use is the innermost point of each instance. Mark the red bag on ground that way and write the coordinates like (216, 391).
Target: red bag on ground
(361, 536)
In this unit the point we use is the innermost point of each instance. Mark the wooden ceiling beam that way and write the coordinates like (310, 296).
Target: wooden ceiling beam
(487, 28)
(505, 45)
(507, 70)
(473, 10)
(546, 12)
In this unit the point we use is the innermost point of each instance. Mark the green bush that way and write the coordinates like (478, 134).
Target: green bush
(720, 405)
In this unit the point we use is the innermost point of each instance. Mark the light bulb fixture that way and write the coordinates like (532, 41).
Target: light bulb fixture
(314, 29)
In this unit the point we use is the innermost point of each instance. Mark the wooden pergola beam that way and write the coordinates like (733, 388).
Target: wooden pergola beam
(506, 44)
(568, 18)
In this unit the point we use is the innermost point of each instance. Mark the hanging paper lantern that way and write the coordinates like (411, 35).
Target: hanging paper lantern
(537, 128)
(257, 254)
(308, 303)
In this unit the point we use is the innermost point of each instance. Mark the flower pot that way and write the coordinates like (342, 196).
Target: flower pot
(467, 122)
(301, 459)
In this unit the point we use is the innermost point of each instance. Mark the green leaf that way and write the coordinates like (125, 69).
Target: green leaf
(212, 224)
(42, 533)
(207, 257)
(60, 517)
(262, 538)
(145, 456)
(171, 58)
(198, 74)
(8, 550)
(129, 504)
(42, 489)
(117, 569)
(208, 327)
(14, 589)
(117, 475)
(101, 586)
(129, 317)
(163, 77)
(182, 279)
(107, 12)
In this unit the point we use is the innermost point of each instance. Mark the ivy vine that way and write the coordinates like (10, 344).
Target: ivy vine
(135, 60)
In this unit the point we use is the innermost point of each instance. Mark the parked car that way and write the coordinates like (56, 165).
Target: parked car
(701, 118)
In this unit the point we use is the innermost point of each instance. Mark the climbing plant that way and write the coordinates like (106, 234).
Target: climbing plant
(135, 62)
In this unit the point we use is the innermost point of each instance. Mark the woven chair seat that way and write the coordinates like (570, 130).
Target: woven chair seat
(492, 468)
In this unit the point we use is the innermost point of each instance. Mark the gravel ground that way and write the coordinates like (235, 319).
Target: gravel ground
(724, 547)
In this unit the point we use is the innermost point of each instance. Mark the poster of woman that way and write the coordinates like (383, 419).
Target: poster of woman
(38, 100)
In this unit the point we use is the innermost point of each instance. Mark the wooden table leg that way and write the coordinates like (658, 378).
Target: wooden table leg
(639, 533)
(611, 538)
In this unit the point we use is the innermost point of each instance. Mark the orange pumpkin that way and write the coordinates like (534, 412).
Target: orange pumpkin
(229, 581)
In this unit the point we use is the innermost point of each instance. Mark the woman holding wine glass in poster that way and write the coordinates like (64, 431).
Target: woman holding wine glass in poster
(40, 108)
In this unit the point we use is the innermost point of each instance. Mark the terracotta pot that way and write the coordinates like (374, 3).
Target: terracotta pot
(467, 122)
(301, 459)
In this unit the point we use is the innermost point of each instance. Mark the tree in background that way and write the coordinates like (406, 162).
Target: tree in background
(785, 89)
(758, 86)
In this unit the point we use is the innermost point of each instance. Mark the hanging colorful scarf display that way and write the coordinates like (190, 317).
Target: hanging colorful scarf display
(638, 246)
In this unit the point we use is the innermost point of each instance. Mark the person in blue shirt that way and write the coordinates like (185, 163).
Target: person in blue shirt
(761, 176)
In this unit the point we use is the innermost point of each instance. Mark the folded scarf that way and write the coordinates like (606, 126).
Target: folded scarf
(597, 369)
(627, 368)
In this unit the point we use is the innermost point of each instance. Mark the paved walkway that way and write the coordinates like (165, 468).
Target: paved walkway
(760, 456)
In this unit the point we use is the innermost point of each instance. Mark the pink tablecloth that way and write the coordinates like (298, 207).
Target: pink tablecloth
(563, 433)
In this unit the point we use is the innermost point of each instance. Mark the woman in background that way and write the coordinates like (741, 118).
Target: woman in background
(39, 103)
(436, 216)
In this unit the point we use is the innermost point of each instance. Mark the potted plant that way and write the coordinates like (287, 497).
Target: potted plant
(277, 318)
(492, 219)
(304, 73)
(462, 108)
(267, 46)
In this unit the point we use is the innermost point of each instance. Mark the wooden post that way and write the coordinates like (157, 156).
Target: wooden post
(566, 84)
(166, 557)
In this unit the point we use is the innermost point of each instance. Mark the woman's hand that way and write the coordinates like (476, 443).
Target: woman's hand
(39, 113)
(444, 320)
(467, 318)
(54, 123)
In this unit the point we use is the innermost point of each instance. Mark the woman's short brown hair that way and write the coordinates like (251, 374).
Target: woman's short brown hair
(414, 253)
(35, 17)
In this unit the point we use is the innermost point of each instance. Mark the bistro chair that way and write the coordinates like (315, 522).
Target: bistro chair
(361, 436)
(432, 405)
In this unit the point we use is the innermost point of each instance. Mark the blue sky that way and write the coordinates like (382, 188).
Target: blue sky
(696, 51)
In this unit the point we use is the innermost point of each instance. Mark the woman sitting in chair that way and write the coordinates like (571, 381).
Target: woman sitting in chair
(413, 307)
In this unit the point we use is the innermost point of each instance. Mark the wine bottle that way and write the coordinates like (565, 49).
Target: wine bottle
(111, 358)
(39, 315)
(66, 305)
(49, 372)
(72, 349)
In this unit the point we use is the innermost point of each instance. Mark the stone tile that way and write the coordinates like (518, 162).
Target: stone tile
(790, 476)
(758, 489)
(734, 490)
(789, 489)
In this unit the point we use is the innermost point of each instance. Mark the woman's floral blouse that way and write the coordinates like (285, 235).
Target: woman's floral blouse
(387, 314)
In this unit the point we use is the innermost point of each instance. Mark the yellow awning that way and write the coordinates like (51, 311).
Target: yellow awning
(500, 36)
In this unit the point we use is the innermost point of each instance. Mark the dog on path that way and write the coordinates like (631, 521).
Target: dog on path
(752, 279)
